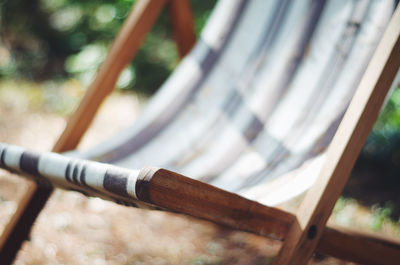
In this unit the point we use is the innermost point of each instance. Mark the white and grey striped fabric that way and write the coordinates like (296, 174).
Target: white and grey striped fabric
(252, 108)
(89, 177)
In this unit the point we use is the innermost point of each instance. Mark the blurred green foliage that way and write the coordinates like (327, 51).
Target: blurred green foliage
(383, 144)
(60, 39)
(375, 180)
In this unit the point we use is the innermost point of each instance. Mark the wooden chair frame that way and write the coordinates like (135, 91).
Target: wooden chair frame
(302, 233)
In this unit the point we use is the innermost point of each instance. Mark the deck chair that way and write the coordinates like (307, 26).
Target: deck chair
(274, 101)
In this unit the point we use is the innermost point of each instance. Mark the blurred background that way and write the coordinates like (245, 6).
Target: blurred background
(50, 51)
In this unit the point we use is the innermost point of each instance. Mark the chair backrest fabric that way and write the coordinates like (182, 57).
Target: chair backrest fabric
(254, 105)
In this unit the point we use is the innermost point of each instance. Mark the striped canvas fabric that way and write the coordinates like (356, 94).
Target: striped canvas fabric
(251, 109)
(92, 178)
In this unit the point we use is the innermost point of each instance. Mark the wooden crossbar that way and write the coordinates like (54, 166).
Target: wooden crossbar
(359, 246)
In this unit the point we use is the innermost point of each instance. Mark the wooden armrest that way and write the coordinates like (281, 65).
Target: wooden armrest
(174, 192)
(178, 193)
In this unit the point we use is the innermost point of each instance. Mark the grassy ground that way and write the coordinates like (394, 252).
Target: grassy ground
(74, 229)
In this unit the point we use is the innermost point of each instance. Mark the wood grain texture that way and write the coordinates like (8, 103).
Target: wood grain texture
(360, 247)
(344, 149)
(182, 20)
(127, 43)
(178, 193)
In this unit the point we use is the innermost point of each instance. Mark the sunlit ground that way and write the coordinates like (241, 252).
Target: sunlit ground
(74, 229)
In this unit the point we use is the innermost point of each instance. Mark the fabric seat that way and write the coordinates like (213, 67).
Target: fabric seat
(259, 98)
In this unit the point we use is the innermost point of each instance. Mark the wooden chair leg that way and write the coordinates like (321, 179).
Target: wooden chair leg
(18, 229)
(317, 206)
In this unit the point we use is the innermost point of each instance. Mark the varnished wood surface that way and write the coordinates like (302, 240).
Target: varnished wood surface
(178, 193)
